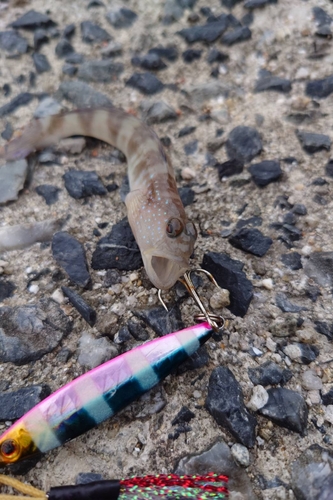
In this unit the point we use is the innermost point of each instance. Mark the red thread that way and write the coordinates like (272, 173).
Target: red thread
(205, 483)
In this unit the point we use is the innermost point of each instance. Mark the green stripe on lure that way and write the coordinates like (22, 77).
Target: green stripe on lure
(99, 394)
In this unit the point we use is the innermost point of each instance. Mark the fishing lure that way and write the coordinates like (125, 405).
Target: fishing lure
(155, 211)
(168, 486)
(99, 394)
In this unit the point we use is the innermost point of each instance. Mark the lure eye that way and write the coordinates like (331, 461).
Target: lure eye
(9, 448)
(174, 228)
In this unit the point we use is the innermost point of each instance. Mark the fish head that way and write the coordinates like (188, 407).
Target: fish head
(168, 259)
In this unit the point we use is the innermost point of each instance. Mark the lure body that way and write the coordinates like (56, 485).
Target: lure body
(156, 214)
(99, 394)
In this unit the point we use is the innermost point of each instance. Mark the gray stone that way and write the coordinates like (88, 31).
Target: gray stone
(32, 20)
(319, 267)
(99, 71)
(146, 82)
(121, 18)
(20, 100)
(311, 472)
(29, 332)
(286, 305)
(92, 33)
(70, 255)
(82, 95)
(12, 178)
(244, 143)
(47, 107)
(204, 91)
(41, 63)
(13, 43)
(93, 352)
(312, 143)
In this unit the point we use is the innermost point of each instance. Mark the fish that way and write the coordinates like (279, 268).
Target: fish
(98, 394)
(156, 214)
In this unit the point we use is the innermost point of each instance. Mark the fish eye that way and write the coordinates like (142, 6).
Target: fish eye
(190, 230)
(174, 228)
(9, 448)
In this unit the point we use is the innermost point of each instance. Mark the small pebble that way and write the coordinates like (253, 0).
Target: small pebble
(258, 399)
(241, 454)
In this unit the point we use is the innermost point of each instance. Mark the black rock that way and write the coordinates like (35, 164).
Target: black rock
(324, 328)
(244, 143)
(137, 331)
(169, 53)
(40, 38)
(191, 55)
(29, 332)
(88, 477)
(6, 289)
(82, 95)
(312, 143)
(161, 321)
(14, 405)
(86, 311)
(50, 193)
(321, 16)
(324, 31)
(95, 3)
(311, 474)
(206, 33)
(186, 195)
(230, 167)
(320, 88)
(290, 218)
(41, 63)
(215, 55)
(186, 131)
(147, 83)
(299, 209)
(303, 353)
(287, 409)
(112, 277)
(265, 172)
(329, 168)
(319, 181)
(293, 260)
(239, 34)
(123, 335)
(18, 101)
(268, 81)
(69, 31)
(80, 184)
(92, 33)
(121, 18)
(183, 416)
(117, 250)
(150, 61)
(313, 292)
(191, 147)
(69, 69)
(63, 48)
(328, 397)
(13, 43)
(7, 132)
(230, 3)
(32, 20)
(100, 71)
(228, 274)
(251, 240)
(285, 305)
(269, 373)
(225, 403)
(70, 255)
(255, 4)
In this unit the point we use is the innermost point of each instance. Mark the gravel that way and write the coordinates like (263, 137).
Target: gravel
(240, 104)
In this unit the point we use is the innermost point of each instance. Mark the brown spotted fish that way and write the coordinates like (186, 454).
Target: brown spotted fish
(156, 214)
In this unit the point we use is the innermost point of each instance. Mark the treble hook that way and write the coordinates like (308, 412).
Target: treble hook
(214, 320)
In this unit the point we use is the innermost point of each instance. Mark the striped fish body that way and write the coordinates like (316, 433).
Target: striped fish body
(164, 234)
(98, 394)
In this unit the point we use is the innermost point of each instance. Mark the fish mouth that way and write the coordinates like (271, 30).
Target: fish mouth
(164, 271)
